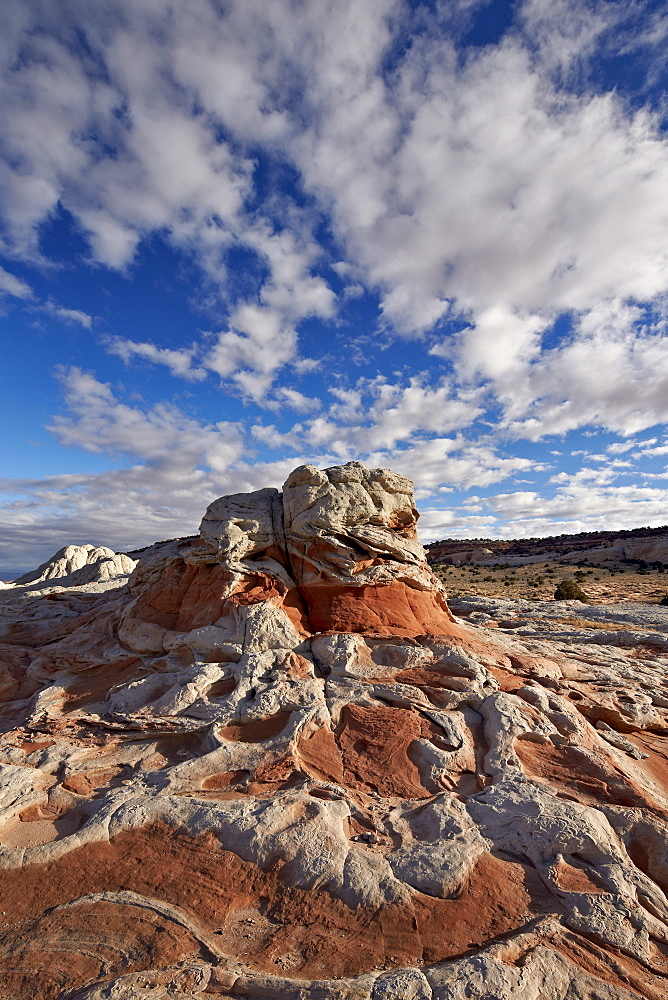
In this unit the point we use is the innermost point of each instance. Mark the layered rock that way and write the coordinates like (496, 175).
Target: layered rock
(275, 765)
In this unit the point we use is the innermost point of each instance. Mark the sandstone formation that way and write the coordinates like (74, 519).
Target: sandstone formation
(75, 565)
(275, 765)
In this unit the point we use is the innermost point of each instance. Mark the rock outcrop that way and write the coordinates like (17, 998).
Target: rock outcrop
(75, 565)
(275, 765)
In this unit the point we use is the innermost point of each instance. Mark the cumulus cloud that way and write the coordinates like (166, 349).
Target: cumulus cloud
(128, 152)
(611, 507)
(377, 414)
(497, 191)
(501, 342)
(419, 168)
(529, 514)
(97, 421)
(292, 399)
(629, 392)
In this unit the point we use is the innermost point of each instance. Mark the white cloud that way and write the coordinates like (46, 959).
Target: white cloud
(179, 362)
(71, 316)
(567, 38)
(659, 450)
(501, 341)
(270, 436)
(378, 414)
(292, 399)
(598, 476)
(613, 373)
(262, 336)
(470, 187)
(564, 33)
(530, 514)
(619, 447)
(610, 507)
(97, 421)
(155, 165)
(484, 186)
(444, 460)
(11, 285)
(494, 189)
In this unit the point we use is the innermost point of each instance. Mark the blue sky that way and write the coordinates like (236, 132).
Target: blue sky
(240, 236)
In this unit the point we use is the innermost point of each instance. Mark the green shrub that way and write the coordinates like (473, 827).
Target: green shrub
(569, 590)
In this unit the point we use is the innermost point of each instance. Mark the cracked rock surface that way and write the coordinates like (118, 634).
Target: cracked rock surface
(275, 765)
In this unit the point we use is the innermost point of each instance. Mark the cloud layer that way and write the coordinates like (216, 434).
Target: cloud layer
(499, 199)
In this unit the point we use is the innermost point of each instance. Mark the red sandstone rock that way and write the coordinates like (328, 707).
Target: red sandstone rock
(274, 765)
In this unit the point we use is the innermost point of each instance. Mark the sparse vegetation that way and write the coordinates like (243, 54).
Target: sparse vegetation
(570, 590)
(537, 581)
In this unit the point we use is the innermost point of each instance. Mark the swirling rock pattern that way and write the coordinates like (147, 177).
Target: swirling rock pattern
(274, 765)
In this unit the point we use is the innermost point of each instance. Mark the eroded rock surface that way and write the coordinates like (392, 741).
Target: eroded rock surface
(75, 566)
(275, 765)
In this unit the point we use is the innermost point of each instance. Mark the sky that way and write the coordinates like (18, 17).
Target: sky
(237, 236)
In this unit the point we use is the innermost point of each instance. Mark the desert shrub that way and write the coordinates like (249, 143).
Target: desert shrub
(570, 590)
(664, 601)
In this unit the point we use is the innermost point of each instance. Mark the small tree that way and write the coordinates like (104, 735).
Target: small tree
(569, 590)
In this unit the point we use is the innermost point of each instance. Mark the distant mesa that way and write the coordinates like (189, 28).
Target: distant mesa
(599, 548)
(268, 761)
